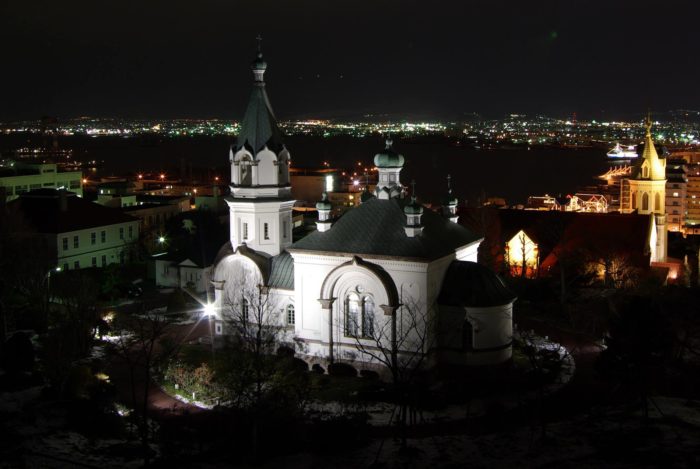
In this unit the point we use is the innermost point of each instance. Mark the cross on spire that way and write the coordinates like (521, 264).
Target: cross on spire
(647, 124)
(449, 183)
(259, 39)
(413, 189)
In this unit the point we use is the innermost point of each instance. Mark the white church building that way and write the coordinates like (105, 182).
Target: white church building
(386, 275)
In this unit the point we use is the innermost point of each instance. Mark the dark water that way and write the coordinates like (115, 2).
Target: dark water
(513, 174)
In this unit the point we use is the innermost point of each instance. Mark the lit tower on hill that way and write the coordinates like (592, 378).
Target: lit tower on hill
(647, 193)
(260, 200)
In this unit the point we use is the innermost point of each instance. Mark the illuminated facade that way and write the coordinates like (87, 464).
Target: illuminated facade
(647, 193)
(387, 260)
(522, 255)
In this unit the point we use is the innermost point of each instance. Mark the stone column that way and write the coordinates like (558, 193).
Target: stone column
(327, 306)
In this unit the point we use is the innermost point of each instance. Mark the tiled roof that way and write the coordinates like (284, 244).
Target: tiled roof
(282, 271)
(259, 126)
(471, 284)
(376, 227)
(42, 210)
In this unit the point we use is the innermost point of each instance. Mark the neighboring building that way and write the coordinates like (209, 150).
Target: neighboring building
(612, 187)
(647, 193)
(676, 187)
(189, 269)
(579, 202)
(386, 260)
(84, 233)
(692, 192)
(116, 194)
(612, 244)
(17, 178)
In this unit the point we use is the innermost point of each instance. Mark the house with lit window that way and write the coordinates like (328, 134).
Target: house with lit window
(19, 177)
(388, 264)
(84, 234)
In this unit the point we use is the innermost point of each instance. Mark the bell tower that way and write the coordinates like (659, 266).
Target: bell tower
(260, 202)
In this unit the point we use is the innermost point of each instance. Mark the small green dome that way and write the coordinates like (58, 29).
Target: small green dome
(450, 199)
(258, 63)
(414, 208)
(324, 204)
(388, 158)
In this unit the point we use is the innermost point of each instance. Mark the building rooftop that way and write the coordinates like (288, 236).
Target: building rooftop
(42, 210)
(377, 227)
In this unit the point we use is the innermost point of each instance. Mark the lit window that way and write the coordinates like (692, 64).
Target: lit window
(352, 315)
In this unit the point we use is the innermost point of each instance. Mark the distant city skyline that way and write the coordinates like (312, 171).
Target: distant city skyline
(599, 59)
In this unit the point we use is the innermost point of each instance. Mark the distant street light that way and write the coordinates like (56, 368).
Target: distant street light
(161, 239)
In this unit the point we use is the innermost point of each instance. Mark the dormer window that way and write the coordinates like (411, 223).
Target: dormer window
(645, 171)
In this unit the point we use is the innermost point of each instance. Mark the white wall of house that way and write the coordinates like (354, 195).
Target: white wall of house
(96, 247)
(47, 177)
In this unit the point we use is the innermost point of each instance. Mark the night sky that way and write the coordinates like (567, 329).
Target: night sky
(413, 59)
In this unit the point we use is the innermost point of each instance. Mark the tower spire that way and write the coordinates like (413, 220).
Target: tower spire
(258, 66)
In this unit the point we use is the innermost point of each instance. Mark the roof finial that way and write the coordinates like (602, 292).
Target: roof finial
(449, 184)
(258, 66)
(389, 141)
(259, 39)
(413, 189)
(647, 124)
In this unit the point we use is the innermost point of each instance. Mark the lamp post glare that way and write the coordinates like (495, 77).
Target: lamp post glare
(209, 310)
(161, 239)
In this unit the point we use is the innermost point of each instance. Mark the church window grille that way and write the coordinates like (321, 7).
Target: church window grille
(359, 316)
(266, 230)
(245, 230)
(290, 315)
(352, 315)
(245, 309)
(645, 201)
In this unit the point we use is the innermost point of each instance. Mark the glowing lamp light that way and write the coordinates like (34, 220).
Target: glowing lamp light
(209, 310)
(140, 176)
(216, 178)
(161, 239)
(162, 176)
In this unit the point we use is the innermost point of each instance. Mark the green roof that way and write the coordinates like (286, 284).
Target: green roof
(377, 227)
(259, 126)
(389, 158)
(282, 271)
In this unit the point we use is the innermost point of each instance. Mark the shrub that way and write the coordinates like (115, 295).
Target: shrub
(284, 351)
(342, 369)
(369, 374)
(318, 369)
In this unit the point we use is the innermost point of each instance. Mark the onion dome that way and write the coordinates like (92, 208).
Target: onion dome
(324, 204)
(449, 199)
(389, 158)
(413, 208)
(259, 63)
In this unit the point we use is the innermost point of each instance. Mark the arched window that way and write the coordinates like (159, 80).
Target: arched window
(290, 315)
(657, 202)
(467, 336)
(634, 200)
(245, 306)
(352, 315)
(246, 169)
(645, 201)
(368, 317)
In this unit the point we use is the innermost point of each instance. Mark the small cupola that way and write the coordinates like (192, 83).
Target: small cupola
(449, 203)
(414, 212)
(389, 164)
(324, 208)
(258, 65)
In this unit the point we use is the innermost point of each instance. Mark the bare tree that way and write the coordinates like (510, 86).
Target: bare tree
(142, 345)
(400, 340)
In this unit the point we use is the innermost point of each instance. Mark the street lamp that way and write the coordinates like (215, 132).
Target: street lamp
(209, 310)
(161, 239)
